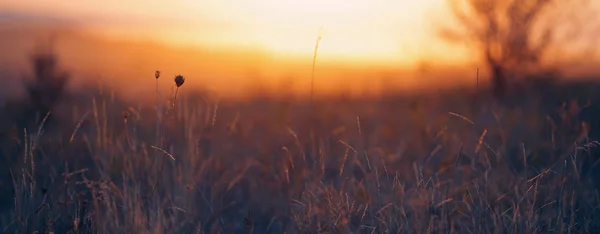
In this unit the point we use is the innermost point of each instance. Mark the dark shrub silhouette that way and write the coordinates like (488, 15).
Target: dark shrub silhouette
(48, 84)
(44, 89)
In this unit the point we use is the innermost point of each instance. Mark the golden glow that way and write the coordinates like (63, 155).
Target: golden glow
(366, 29)
(240, 43)
(394, 31)
(350, 28)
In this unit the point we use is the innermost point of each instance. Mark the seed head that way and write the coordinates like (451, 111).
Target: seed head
(157, 74)
(179, 80)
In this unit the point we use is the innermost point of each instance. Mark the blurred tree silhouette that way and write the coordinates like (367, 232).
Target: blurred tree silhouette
(48, 84)
(513, 36)
(45, 88)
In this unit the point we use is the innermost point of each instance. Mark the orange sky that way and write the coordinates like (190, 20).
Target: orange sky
(381, 31)
(364, 42)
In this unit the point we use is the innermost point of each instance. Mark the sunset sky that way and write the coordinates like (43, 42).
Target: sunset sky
(253, 41)
(393, 31)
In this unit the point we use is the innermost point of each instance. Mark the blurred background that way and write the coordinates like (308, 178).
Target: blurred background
(367, 47)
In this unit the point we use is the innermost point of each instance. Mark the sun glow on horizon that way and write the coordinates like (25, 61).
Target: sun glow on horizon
(351, 29)
(375, 31)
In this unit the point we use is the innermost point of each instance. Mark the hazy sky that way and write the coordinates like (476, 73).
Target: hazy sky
(383, 30)
(381, 37)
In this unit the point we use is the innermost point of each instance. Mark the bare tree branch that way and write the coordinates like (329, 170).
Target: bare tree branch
(513, 36)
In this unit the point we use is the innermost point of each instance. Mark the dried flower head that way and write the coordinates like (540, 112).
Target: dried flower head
(179, 80)
(125, 115)
(157, 74)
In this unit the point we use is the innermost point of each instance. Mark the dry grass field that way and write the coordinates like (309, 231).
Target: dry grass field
(457, 161)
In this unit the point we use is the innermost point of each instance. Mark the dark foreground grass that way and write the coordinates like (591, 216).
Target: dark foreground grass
(446, 163)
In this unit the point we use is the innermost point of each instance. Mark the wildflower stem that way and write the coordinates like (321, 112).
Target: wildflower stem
(166, 143)
(158, 109)
(314, 62)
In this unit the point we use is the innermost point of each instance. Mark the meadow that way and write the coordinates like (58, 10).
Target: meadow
(455, 161)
